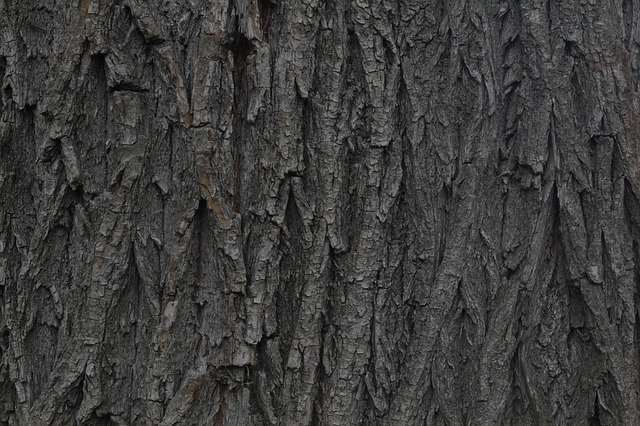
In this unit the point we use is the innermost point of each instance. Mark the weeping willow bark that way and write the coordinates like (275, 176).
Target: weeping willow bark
(308, 212)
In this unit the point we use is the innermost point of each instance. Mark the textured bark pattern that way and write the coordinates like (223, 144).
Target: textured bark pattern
(241, 212)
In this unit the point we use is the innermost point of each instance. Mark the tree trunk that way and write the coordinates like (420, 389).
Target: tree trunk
(243, 212)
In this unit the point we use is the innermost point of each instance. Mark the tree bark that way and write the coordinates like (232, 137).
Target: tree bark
(247, 212)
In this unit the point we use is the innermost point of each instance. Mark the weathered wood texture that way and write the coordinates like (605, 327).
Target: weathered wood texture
(243, 212)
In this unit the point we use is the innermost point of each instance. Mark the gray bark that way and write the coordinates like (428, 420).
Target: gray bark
(243, 212)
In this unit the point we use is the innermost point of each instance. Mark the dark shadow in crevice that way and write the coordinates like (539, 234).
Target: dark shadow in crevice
(627, 17)
(595, 419)
(266, 9)
(241, 48)
(292, 274)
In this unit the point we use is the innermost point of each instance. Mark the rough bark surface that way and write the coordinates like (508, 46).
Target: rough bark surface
(246, 212)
